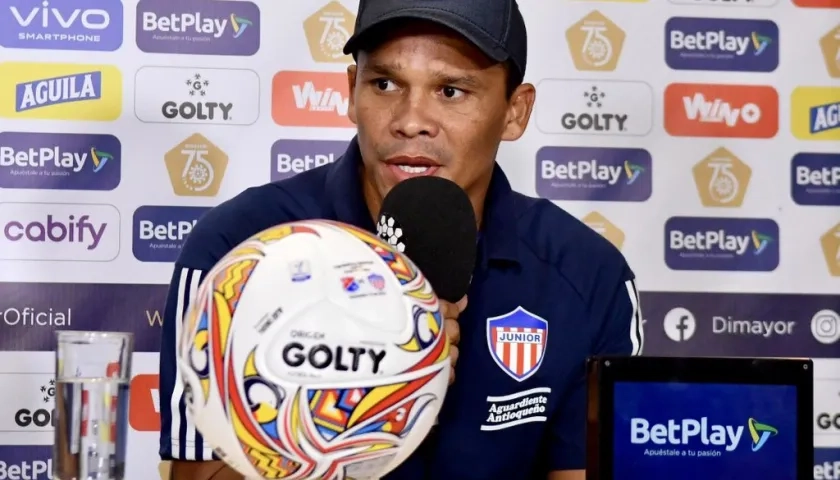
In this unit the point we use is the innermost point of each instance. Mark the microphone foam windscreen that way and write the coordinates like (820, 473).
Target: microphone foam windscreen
(432, 221)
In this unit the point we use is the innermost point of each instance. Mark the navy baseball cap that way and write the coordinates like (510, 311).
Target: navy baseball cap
(496, 27)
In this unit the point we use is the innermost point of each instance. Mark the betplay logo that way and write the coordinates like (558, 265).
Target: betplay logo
(722, 244)
(159, 233)
(594, 174)
(52, 231)
(59, 161)
(594, 107)
(62, 25)
(197, 95)
(290, 157)
(815, 178)
(198, 27)
(60, 91)
(327, 30)
(721, 179)
(721, 44)
(29, 462)
(690, 431)
(711, 110)
(310, 99)
(595, 43)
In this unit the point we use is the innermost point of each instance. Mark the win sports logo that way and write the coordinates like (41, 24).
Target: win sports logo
(310, 99)
(713, 110)
(594, 174)
(738, 45)
(721, 244)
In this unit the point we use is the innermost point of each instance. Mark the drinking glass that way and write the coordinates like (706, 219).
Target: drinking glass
(92, 372)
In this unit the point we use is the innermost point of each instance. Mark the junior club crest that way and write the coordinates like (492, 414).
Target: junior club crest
(517, 342)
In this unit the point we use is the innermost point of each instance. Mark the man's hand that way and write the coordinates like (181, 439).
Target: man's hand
(450, 312)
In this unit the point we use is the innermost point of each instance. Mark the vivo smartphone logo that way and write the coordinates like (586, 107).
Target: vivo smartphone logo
(65, 25)
(685, 432)
(46, 231)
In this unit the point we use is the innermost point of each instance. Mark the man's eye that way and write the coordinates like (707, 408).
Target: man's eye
(451, 92)
(384, 85)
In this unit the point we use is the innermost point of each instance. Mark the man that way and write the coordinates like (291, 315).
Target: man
(436, 87)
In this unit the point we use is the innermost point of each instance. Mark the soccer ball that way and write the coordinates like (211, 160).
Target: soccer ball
(314, 350)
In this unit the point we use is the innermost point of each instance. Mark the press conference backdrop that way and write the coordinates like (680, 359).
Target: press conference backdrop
(701, 137)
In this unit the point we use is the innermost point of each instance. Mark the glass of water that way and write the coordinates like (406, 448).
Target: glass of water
(93, 371)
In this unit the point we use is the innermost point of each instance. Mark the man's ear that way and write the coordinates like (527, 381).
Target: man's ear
(351, 83)
(520, 106)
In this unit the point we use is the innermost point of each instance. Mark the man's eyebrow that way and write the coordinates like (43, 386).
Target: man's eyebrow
(391, 70)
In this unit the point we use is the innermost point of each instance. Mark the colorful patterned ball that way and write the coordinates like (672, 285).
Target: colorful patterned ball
(314, 350)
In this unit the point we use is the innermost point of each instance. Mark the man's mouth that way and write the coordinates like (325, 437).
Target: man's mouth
(407, 166)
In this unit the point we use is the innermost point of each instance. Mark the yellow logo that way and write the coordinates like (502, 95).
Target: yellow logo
(831, 249)
(196, 167)
(815, 113)
(607, 229)
(60, 91)
(830, 45)
(327, 30)
(721, 179)
(595, 43)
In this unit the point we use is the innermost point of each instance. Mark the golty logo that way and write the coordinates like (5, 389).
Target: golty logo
(310, 99)
(594, 107)
(721, 244)
(60, 91)
(160, 231)
(594, 174)
(75, 25)
(825, 326)
(195, 27)
(196, 167)
(59, 161)
(721, 44)
(198, 95)
(830, 242)
(679, 324)
(47, 231)
(721, 179)
(815, 178)
(595, 43)
(598, 222)
(681, 432)
(830, 46)
(290, 157)
(734, 111)
(815, 113)
(327, 30)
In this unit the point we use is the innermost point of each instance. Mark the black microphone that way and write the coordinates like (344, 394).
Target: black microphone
(431, 221)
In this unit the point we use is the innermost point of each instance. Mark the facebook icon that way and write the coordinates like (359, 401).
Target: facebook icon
(679, 324)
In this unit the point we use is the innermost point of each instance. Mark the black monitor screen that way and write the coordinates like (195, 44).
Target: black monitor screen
(704, 431)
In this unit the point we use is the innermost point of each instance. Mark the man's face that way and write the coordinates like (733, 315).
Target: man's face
(427, 102)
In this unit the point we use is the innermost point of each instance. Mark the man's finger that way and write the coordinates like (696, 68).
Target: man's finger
(453, 359)
(448, 310)
(453, 331)
(461, 305)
